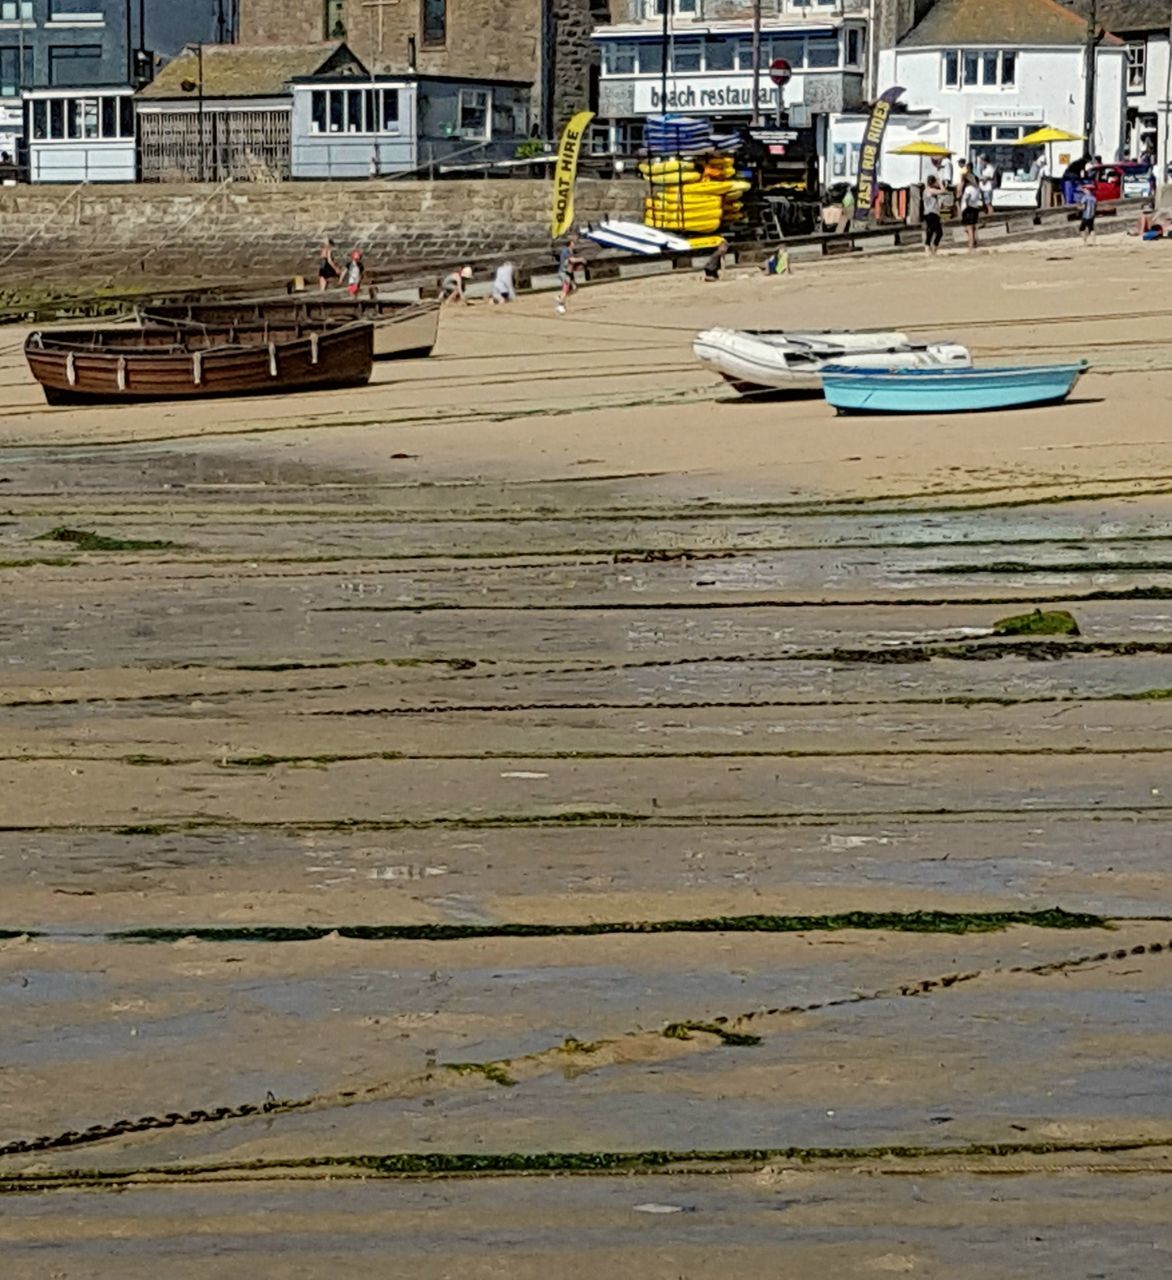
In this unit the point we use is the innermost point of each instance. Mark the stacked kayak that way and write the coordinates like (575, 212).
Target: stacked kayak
(673, 135)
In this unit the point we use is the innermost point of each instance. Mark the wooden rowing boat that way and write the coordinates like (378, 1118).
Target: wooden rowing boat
(86, 366)
(402, 330)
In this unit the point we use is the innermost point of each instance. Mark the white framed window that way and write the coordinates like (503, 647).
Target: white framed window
(687, 56)
(978, 69)
(354, 111)
(82, 119)
(77, 12)
(473, 120)
(16, 10)
(720, 54)
(1137, 66)
(852, 47)
(822, 51)
(16, 70)
(681, 8)
(620, 57)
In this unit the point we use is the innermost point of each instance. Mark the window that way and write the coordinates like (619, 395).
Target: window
(75, 64)
(685, 55)
(822, 51)
(986, 69)
(745, 55)
(720, 55)
(16, 10)
(87, 11)
(854, 47)
(681, 8)
(435, 22)
(474, 108)
(126, 117)
(390, 110)
(16, 70)
(1000, 144)
(791, 48)
(354, 111)
(109, 117)
(618, 59)
(1137, 66)
(334, 20)
(651, 58)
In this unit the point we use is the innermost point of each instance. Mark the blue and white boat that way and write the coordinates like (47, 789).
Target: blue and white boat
(952, 390)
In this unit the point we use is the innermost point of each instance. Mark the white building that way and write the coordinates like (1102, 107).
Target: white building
(1142, 25)
(80, 135)
(982, 75)
(710, 62)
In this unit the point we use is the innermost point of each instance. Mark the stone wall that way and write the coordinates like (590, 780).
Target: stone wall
(125, 234)
(281, 21)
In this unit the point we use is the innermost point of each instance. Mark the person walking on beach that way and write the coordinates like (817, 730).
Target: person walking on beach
(715, 264)
(933, 228)
(1087, 204)
(452, 288)
(568, 263)
(327, 268)
(971, 204)
(504, 287)
(354, 273)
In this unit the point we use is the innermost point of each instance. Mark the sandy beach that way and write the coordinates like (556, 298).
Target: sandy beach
(541, 812)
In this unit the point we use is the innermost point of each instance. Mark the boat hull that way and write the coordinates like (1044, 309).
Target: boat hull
(128, 366)
(948, 391)
(402, 330)
(756, 362)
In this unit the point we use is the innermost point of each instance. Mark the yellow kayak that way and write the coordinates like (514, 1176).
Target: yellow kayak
(661, 168)
(668, 222)
(677, 179)
(729, 186)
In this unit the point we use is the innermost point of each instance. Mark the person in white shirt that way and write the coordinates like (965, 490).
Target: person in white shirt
(944, 171)
(988, 180)
(971, 204)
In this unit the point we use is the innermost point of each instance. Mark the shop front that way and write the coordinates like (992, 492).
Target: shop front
(709, 73)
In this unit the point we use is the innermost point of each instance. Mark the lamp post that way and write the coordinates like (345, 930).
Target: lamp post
(756, 116)
(196, 86)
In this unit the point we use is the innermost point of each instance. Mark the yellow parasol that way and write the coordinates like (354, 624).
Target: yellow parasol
(922, 149)
(1046, 134)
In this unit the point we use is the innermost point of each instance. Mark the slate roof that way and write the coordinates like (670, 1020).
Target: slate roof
(241, 71)
(1006, 24)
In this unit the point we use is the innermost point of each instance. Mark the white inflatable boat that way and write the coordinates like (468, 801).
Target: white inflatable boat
(634, 237)
(756, 361)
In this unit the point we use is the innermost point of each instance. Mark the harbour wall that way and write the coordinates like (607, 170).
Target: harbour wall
(119, 233)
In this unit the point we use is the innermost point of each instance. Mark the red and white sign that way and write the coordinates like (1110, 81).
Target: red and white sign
(780, 72)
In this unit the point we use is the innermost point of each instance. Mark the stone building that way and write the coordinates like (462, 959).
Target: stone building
(542, 43)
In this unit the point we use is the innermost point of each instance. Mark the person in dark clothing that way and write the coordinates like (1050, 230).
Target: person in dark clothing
(1072, 176)
(933, 227)
(715, 264)
(327, 268)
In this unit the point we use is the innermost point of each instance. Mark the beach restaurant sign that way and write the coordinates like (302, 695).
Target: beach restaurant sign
(712, 95)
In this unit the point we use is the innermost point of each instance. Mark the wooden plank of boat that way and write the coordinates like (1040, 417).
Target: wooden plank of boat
(403, 330)
(854, 390)
(140, 364)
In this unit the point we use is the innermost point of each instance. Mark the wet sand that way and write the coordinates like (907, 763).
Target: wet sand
(549, 634)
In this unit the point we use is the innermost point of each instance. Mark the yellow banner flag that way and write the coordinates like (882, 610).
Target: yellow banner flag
(566, 171)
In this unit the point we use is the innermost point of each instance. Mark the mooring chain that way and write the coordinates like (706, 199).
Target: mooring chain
(72, 1138)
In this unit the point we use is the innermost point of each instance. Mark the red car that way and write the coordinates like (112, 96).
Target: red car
(1120, 181)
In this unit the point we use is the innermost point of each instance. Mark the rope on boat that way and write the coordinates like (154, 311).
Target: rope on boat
(272, 359)
(71, 370)
(313, 348)
(121, 373)
(197, 367)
